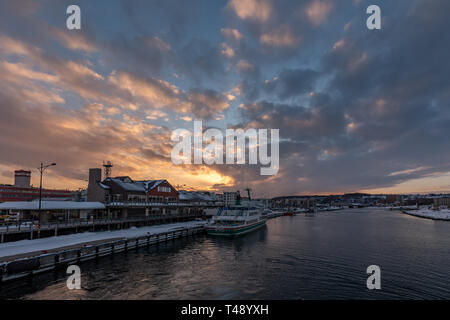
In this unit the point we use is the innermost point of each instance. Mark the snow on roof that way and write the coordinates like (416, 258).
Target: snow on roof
(51, 205)
(194, 196)
(150, 184)
(104, 186)
(139, 186)
(129, 186)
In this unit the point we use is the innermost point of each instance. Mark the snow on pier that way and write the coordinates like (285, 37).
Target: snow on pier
(44, 244)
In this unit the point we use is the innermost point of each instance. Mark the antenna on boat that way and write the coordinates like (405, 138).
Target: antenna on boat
(248, 192)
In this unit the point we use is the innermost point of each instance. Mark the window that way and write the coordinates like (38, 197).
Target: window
(164, 189)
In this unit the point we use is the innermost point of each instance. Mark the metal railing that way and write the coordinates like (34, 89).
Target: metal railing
(28, 226)
(20, 268)
(132, 203)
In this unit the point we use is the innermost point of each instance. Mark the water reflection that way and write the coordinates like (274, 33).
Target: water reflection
(321, 257)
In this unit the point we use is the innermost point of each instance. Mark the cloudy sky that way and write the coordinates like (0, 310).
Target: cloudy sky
(357, 109)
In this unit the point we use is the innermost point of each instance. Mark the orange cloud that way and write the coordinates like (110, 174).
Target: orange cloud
(281, 37)
(259, 10)
(318, 11)
(232, 33)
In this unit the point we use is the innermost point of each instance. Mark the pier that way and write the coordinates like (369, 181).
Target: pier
(22, 231)
(32, 263)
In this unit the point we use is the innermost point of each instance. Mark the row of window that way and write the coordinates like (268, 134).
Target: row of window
(32, 192)
(18, 195)
(164, 189)
(141, 198)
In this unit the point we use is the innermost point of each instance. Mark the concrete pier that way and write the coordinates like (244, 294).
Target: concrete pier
(18, 232)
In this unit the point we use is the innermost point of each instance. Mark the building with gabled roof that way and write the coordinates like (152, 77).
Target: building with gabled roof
(125, 189)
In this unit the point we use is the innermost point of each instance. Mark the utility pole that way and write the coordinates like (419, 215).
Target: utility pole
(41, 170)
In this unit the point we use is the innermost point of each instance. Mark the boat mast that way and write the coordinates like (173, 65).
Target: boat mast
(248, 192)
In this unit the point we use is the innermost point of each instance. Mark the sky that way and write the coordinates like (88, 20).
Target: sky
(357, 109)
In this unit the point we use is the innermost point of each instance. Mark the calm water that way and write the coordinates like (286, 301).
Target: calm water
(321, 257)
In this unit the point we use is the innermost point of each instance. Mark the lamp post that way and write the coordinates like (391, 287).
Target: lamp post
(41, 170)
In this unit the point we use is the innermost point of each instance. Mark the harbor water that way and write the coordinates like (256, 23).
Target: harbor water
(302, 257)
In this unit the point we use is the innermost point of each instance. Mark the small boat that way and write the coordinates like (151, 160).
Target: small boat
(236, 220)
(289, 213)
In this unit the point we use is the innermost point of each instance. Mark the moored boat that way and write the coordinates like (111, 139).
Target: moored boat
(236, 220)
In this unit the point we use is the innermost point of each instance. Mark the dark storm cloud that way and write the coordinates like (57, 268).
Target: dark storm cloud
(171, 17)
(206, 103)
(292, 82)
(356, 109)
(144, 55)
(387, 109)
(201, 61)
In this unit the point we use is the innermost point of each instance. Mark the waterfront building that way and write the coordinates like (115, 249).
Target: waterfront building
(125, 189)
(293, 201)
(55, 210)
(441, 202)
(22, 190)
(199, 197)
(394, 199)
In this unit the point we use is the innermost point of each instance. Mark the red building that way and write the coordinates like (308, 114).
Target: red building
(23, 191)
(124, 188)
(161, 191)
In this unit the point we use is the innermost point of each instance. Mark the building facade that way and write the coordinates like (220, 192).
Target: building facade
(293, 201)
(125, 189)
(441, 202)
(23, 191)
(394, 199)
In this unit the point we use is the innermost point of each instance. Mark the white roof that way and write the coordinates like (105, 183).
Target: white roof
(139, 186)
(194, 196)
(51, 205)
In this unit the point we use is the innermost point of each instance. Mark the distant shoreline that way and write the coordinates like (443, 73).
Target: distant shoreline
(429, 214)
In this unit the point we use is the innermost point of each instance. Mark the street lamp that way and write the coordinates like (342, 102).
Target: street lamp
(41, 170)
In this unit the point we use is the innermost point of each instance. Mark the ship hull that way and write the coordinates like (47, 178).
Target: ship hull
(234, 231)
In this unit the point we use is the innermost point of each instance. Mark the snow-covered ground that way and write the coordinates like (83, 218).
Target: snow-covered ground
(25, 246)
(443, 214)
